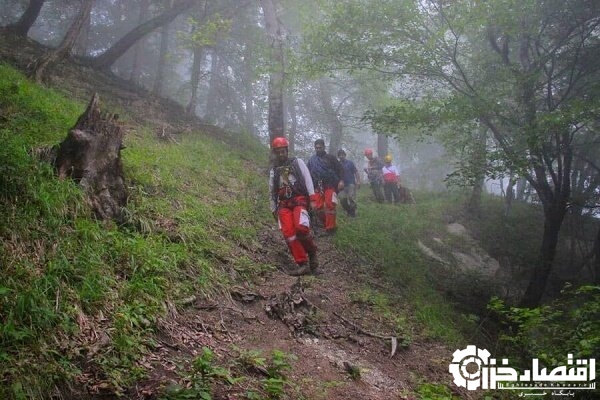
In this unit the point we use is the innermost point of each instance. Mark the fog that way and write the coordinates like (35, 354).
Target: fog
(448, 89)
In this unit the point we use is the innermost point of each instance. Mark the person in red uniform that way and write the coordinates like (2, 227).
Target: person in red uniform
(391, 180)
(327, 173)
(373, 170)
(291, 193)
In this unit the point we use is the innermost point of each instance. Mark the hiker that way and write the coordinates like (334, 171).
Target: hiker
(374, 174)
(351, 179)
(326, 172)
(291, 193)
(391, 180)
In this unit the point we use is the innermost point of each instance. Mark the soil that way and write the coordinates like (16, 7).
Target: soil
(342, 345)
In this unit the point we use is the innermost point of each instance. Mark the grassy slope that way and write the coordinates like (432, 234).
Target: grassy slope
(190, 204)
(387, 234)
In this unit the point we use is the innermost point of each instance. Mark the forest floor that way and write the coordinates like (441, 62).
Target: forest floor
(342, 345)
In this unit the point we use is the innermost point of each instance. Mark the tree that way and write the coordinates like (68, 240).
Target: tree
(159, 84)
(108, 58)
(526, 70)
(67, 43)
(138, 48)
(275, 33)
(22, 26)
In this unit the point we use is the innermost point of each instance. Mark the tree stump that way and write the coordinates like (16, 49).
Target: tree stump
(91, 155)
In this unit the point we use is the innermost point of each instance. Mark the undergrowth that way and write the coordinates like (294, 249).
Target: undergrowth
(65, 275)
(387, 235)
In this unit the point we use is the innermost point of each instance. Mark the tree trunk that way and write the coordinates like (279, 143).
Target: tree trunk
(335, 141)
(91, 155)
(159, 81)
(80, 48)
(248, 91)
(67, 44)
(108, 58)
(136, 66)
(382, 145)
(510, 195)
(553, 217)
(474, 202)
(293, 117)
(195, 79)
(24, 24)
(274, 31)
(521, 194)
(477, 161)
(212, 99)
(597, 258)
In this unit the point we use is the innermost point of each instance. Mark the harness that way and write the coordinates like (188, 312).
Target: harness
(374, 171)
(289, 194)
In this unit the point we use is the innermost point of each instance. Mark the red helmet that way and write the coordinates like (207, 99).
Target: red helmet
(368, 152)
(279, 142)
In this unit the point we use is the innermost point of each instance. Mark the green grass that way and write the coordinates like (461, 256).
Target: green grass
(387, 235)
(190, 204)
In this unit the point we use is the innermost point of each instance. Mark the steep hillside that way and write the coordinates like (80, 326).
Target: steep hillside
(185, 298)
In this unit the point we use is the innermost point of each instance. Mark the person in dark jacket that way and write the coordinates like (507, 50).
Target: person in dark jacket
(326, 172)
(351, 179)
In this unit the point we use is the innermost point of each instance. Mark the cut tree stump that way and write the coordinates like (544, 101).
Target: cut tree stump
(91, 155)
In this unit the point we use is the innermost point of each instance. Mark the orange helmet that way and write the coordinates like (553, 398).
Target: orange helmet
(279, 142)
(368, 152)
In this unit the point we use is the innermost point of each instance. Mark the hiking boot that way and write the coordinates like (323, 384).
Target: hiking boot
(314, 263)
(300, 269)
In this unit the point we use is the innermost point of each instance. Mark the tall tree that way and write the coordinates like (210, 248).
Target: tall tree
(275, 33)
(159, 80)
(331, 116)
(138, 48)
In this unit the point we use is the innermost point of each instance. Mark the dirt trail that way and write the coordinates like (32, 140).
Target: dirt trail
(333, 336)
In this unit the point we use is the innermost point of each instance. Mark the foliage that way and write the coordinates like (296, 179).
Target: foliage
(526, 71)
(568, 325)
(431, 391)
(204, 374)
(207, 32)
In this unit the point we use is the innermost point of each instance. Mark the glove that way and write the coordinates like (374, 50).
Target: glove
(275, 215)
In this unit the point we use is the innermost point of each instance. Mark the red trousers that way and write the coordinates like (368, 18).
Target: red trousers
(294, 223)
(325, 205)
